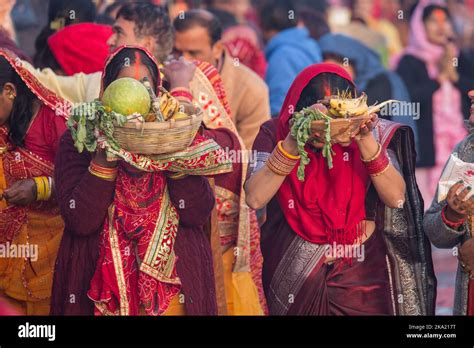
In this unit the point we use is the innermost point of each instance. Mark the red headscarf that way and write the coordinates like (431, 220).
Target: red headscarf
(81, 47)
(330, 205)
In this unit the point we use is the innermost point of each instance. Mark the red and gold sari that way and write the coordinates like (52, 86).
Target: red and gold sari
(136, 270)
(297, 277)
(26, 282)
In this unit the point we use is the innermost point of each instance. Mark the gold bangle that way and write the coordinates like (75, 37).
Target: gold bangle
(279, 164)
(275, 170)
(374, 157)
(48, 188)
(43, 189)
(39, 188)
(285, 153)
(107, 177)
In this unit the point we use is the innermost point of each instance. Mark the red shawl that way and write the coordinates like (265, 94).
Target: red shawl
(329, 206)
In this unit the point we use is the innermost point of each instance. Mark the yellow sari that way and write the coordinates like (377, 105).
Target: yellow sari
(30, 235)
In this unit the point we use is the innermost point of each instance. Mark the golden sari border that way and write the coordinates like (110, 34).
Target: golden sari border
(159, 260)
(214, 161)
(117, 259)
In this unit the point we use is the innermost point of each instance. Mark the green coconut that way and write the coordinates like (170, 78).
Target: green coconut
(127, 96)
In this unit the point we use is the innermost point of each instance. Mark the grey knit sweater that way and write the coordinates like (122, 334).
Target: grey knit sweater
(444, 237)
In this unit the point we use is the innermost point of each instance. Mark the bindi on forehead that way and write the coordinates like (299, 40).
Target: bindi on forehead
(439, 15)
(137, 64)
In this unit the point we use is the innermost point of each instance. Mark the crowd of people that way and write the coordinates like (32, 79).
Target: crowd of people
(202, 233)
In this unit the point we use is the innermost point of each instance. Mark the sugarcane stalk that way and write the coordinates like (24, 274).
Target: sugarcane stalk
(155, 100)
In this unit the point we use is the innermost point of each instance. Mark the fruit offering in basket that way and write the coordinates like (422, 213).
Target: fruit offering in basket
(342, 121)
(127, 96)
(131, 117)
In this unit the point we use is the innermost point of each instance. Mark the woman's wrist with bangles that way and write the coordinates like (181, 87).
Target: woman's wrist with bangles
(44, 187)
(280, 162)
(105, 173)
(182, 93)
(378, 164)
(449, 220)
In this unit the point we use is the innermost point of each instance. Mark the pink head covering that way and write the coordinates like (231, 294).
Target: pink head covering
(418, 44)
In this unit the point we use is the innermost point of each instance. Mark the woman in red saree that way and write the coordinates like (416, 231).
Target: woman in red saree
(353, 206)
(32, 122)
(143, 241)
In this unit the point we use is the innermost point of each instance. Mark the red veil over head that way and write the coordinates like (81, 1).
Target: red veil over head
(329, 206)
(137, 48)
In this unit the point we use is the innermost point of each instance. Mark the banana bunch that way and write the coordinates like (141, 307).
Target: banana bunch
(164, 108)
(340, 107)
(169, 105)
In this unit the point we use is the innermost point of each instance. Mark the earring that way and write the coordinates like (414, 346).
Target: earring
(11, 96)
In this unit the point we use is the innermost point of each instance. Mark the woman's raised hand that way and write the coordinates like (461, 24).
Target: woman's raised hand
(290, 145)
(317, 140)
(179, 72)
(366, 128)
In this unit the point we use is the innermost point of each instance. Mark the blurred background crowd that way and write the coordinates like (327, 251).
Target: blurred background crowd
(418, 52)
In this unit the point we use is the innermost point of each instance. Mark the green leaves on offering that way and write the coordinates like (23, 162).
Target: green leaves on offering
(89, 121)
(301, 131)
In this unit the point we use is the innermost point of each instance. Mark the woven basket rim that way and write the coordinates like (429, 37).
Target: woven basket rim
(193, 119)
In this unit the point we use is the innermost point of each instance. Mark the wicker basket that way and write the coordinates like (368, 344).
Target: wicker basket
(154, 138)
(342, 129)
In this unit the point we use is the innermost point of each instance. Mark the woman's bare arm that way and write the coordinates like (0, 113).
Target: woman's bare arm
(390, 185)
(264, 184)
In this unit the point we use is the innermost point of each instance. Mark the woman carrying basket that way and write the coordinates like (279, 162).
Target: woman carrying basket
(117, 217)
(359, 204)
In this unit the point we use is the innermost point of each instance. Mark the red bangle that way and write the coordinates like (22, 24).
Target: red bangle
(378, 165)
(183, 93)
(447, 222)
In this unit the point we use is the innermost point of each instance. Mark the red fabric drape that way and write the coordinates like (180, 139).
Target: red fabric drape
(329, 206)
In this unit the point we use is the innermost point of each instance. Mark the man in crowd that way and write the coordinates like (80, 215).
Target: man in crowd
(289, 49)
(198, 37)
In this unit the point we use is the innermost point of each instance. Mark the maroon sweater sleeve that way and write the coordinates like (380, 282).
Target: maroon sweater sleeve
(193, 198)
(83, 198)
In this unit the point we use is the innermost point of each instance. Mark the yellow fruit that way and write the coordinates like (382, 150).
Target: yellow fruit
(180, 116)
(168, 105)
